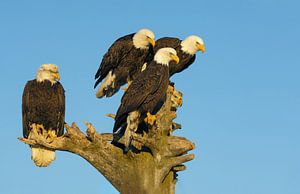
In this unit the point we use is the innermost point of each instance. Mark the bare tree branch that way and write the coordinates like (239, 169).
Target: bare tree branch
(138, 171)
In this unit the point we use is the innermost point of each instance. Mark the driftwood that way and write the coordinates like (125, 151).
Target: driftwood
(150, 169)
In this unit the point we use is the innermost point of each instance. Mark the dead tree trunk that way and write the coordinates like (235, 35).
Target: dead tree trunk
(142, 172)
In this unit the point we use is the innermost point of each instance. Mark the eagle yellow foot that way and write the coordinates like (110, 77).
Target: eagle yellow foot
(150, 119)
(51, 135)
(37, 128)
(33, 127)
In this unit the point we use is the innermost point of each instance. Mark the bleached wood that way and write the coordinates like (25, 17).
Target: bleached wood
(142, 172)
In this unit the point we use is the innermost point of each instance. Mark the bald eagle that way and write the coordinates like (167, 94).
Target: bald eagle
(123, 60)
(43, 110)
(185, 49)
(144, 96)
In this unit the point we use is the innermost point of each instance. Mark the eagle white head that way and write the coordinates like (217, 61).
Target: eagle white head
(48, 72)
(143, 38)
(192, 44)
(165, 55)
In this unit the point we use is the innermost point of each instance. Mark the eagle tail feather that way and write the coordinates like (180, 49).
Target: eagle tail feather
(97, 82)
(42, 157)
(107, 88)
(119, 123)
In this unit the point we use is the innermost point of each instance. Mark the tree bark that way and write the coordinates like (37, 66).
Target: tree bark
(150, 169)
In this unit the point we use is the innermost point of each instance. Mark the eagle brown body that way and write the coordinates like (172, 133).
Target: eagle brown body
(43, 111)
(145, 95)
(44, 104)
(123, 61)
(185, 59)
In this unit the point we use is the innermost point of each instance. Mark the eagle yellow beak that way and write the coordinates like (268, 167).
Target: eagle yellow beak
(152, 41)
(201, 47)
(175, 58)
(56, 76)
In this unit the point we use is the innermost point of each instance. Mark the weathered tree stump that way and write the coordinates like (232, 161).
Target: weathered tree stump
(149, 171)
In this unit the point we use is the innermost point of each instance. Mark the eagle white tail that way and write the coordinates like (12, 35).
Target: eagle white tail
(107, 88)
(42, 157)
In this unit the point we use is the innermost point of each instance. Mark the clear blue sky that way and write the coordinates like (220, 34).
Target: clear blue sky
(241, 98)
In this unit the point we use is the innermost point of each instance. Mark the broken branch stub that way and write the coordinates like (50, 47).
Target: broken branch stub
(149, 170)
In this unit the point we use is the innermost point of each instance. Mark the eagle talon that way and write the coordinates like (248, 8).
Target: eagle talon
(150, 119)
(39, 129)
(33, 128)
(51, 135)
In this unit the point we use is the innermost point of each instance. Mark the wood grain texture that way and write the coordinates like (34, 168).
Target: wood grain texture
(148, 172)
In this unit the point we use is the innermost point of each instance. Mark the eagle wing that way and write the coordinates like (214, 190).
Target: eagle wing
(26, 110)
(183, 64)
(118, 50)
(162, 43)
(61, 109)
(191, 61)
(29, 108)
(166, 42)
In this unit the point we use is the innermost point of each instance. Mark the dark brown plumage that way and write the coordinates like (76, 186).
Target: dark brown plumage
(185, 59)
(123, 61)
(44, 104)
(145, 94)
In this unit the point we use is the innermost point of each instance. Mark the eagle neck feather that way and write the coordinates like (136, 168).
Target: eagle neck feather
(42, 76)
(139, 42)
(188, 47)
(159, 59)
